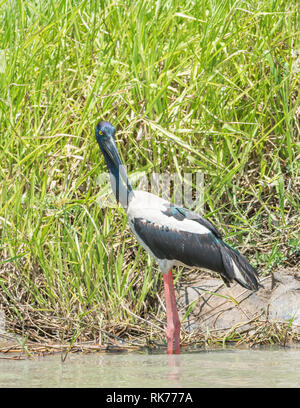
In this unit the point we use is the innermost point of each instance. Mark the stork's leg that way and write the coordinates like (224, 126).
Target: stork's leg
(173, 322)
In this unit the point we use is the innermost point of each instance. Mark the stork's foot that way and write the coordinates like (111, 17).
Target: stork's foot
(173, 322)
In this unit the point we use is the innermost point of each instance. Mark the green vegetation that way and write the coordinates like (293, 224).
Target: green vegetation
(192, 86)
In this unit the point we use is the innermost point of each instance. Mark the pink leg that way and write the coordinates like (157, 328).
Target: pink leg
(173, 322)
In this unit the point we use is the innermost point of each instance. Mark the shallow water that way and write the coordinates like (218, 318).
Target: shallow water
(218, 368)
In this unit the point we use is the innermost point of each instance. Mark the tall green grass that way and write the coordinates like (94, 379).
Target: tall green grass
(192, 86)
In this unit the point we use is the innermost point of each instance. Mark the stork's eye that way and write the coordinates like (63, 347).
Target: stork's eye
(100, 133)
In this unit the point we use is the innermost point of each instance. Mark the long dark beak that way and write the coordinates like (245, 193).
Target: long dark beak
(112, 151)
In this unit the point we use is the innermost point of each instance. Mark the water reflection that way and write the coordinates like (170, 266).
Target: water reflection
(222, 368)
(174, 374)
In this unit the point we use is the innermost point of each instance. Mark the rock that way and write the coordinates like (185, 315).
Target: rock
(285, 297)
(214, 306)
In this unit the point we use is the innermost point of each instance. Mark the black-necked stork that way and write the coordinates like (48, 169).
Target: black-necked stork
(172, 235)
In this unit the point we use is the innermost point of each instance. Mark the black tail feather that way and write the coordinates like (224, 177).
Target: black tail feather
(238, 268)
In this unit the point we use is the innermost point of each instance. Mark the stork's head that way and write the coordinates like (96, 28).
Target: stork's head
(105, 135)
(104, 130)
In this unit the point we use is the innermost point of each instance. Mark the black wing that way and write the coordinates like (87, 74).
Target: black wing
(206, 250)
(191, 249)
